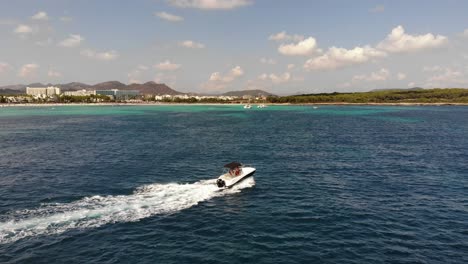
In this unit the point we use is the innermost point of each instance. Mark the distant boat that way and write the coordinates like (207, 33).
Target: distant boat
(261, 106)
(247, 106)
(315, 107)
(237, 173)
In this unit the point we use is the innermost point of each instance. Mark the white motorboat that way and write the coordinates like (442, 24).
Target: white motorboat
(235, 174)
(247, 106)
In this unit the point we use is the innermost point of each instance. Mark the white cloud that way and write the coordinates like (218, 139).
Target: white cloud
(412, 84)
(210, 4)
(169, 79)
(218, 81)
(282, 78)
(401, 76)
(448, 75)
(283, 36)
(377, 9)
(434, 68)
(41, 15)
(104, 56)
(191, 44)
(23, 29)
(381, 75)
(169, 17)
(46, 42)
(167, 66)
(398, 41)
(268, 61)
(291, 66)
(28, 70)
(71, 41)
(4, 67)
(66, 19)
(304, 47)
(465, 33)
(336, 58)
(135, 75)
(54, 74)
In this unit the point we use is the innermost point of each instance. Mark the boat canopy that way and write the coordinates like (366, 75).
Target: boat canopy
(232, 165)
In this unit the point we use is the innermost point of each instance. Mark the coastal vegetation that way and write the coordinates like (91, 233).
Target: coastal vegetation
(449, 95)
(395, 96)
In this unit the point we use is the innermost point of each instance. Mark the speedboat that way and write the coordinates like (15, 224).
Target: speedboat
(236, 173)
(247, 106)
(261, 106)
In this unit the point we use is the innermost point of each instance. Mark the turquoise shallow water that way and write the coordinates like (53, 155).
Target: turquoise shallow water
(134, 184)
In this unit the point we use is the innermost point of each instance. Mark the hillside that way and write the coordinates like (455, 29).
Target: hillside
(248, 92)
(152, 88)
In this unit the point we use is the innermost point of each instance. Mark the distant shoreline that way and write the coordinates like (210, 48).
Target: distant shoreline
(240, 104)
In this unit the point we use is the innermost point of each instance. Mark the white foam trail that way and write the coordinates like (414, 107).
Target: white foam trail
(96, 211)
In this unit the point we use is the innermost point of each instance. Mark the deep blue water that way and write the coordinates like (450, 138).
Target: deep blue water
(133, 184)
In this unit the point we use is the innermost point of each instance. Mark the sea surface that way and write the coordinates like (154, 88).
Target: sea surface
(135, 184)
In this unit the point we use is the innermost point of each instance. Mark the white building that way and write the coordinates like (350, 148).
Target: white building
(43, 91)
(83, 92)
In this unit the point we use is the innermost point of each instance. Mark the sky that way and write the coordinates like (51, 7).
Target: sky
(214, 46)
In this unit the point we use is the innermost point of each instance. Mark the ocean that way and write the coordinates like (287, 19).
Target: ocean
(134, 184)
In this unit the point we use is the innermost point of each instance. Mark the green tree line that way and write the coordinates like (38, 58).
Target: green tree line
(449, 95)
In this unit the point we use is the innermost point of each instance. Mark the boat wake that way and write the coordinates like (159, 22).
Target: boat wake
(95, 211)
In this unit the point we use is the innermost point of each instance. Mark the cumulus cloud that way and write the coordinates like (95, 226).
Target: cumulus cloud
(401, 76)
(54, 74)
(66, 19)
(41, 15)
(44, 43)
(210, 4)
(266, 81)
(277, 79)
(218, 81)
(465, 33)
(71, 41)
(4, 67)
(377, 9)
(434, 68)
(103, 56)
(23, 29)
(336, 58)
(267, 61)
(283, 36)
(28, 70)
(398, 41)
(167, 66)
(445, 75)
(135, 75)
(191, 44)
(169, 79)
(169, 17)
(381, 75)
(304, 47)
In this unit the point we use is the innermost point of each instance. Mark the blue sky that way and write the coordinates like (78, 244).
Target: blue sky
(279, 46)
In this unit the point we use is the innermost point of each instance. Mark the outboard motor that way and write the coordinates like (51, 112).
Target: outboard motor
(221, 183)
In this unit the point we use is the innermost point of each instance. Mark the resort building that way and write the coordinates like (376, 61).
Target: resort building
(83, 92)
(43, 91)
(119, 94)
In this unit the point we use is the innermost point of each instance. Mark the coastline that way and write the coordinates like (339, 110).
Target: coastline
(240, 104)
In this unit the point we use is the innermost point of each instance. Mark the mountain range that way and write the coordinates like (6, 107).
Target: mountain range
(144, 88)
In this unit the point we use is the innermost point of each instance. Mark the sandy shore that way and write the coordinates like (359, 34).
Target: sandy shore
(214, 104)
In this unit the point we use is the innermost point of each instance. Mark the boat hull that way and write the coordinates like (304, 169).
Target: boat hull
(226, 181)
